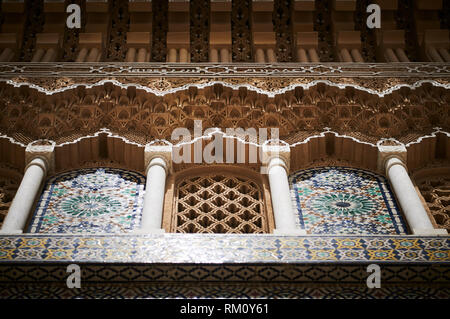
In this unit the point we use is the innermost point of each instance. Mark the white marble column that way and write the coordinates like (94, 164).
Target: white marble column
(393, 160)
(39, 158)
(158, 160)
(276, 159)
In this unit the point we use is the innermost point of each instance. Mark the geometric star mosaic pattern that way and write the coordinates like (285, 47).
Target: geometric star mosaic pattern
(200, 291)
(172, 248)
(97, 200)
(341, 200)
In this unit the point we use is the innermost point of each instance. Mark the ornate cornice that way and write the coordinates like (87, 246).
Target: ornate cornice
(270, 79)
(208, 70)
(147, 101)
(267, 86)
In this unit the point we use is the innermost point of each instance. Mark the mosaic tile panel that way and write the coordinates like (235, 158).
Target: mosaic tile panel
(221, 248)
(340, 200)
(201, 291)
(97, 200)
(319, 272)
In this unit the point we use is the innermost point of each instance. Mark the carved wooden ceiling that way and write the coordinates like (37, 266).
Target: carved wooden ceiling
(407, 108)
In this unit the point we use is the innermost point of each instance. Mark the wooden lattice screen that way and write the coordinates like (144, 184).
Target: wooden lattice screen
(219, 203)
(436, 192)
(8, 188)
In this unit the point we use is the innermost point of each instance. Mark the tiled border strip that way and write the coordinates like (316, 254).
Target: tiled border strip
(224, 248)
(218, 290)
(319, 273)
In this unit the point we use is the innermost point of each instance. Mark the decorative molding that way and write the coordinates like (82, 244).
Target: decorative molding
(224, 248)
(163, 152)
(282, 152)
(385, 152)
(241, 290)
(397, 71)
(306, 140)
(270, 87)
(43, 149)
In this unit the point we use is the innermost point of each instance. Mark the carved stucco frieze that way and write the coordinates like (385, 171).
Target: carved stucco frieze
(268, 86)
(270, 152)
(41, 149)
(129, 110)
(385, 152)
(158, 151)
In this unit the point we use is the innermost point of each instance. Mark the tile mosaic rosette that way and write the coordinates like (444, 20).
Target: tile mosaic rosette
(100, 200)
(339, 200)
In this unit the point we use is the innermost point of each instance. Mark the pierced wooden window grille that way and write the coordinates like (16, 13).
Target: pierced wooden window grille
(436, 193)
(219, 204)
(8, 189)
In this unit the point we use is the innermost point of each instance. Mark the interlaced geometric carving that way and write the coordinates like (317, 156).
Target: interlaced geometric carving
(160, 27)
(199, 27)
(219, 203)
(406, 21)
(85, 111)
(282, 20)
(368, 40)
(34, 11)
(241, 31)
(436, 192)
(8, 188)
(71, 36)
(118, 26)
(322, 24)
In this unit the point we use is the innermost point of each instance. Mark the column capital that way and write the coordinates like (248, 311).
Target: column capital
(280, 152)
(163, 152)
(387, 152)
(43, 149)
